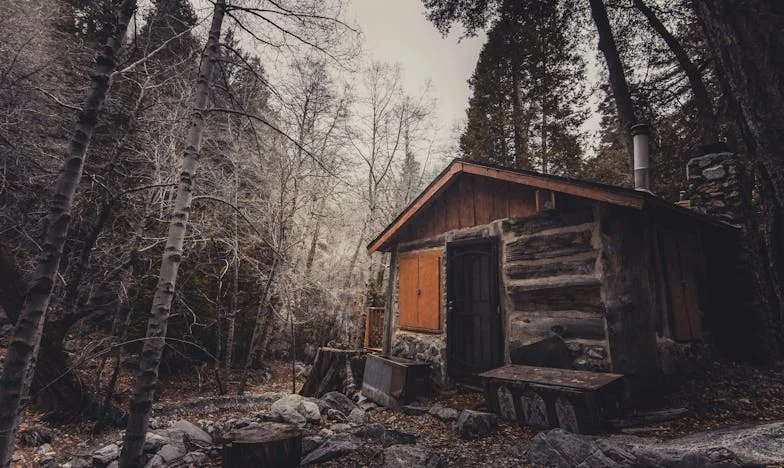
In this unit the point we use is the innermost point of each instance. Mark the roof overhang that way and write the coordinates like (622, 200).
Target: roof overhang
(619, 196)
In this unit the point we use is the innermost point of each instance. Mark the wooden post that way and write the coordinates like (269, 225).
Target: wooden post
(386, 346)
(269, 445)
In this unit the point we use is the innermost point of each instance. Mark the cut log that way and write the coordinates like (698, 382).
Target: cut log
(268, 445)
(335, 370)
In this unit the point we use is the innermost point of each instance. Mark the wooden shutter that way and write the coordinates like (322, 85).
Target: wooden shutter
(429, 305)
(419, 301)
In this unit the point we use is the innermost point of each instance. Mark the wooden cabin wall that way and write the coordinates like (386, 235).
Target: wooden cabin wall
(628, 290)
(471, 201)
(553, 282)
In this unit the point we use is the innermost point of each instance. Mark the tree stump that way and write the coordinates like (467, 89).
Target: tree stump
(268, 445)
(334, 370)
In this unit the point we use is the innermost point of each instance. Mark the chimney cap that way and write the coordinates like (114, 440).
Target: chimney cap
(641, 128)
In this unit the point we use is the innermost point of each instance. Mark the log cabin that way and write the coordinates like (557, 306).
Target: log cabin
(489, 260)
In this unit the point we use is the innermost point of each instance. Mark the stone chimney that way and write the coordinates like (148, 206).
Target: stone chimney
(715, 186)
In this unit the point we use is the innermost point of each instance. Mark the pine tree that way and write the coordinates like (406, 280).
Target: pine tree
(526, 107)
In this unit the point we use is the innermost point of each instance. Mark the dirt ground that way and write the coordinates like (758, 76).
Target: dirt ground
(717, 394)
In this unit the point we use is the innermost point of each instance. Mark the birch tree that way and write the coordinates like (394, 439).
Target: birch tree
(20, 359)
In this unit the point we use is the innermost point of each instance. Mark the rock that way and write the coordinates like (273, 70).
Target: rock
(745, 446)
(397, 437)
(193, 433)
(270, 397)
(194, 459)
(597, 352)
(156, 461)
(409, 456)
(153, 442)
(714, 172)
(414, 410)
(311, 443)
(472, 424)
(45, 449)
(562, 449)
(549, 352)
(443, 413)
(311, 411)
(337, 401)
(358, 417)
(374, 431)
(367, 405)
(334, 447)
(340, 427)
(326, 433)
(295, 410)
(171, 452)
(335, 415)
(157, 423)
(106, 455)
(77, 463)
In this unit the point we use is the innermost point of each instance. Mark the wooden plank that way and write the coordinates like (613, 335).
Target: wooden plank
(579, 380)
(522, 201)
(452, 208)
(483, 200)
(500, 192)
(466, 197)
(550, 245)
(586, 298)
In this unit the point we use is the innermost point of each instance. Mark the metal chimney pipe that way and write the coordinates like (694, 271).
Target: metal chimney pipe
(642, 174)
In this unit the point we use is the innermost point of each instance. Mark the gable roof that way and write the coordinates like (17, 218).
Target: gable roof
(614, 195)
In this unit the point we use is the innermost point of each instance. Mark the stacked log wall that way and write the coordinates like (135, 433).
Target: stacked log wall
(552, 278)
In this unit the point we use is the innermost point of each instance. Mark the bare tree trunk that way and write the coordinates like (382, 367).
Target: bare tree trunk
(747, 38)
(620, 89)
(702, 101)
(20, 359)
(147, 376)
(235, 295)
(258, 326)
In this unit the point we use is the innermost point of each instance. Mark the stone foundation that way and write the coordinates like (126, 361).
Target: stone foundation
(423, 347)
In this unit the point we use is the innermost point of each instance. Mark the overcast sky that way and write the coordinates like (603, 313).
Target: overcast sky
(398, 32)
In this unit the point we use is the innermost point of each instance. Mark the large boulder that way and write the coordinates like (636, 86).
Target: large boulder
(358, 417)
(295, 409)
(334, 447)
(746, 446)
(337, 401)
(473, 424)
(106, 455)
(549, 352)
(410, 456)
(193, 434)
(443, 413)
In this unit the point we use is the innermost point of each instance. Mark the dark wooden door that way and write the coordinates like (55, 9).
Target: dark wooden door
(474, 332)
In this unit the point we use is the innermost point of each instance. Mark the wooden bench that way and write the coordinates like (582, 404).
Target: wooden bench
(577, 401)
